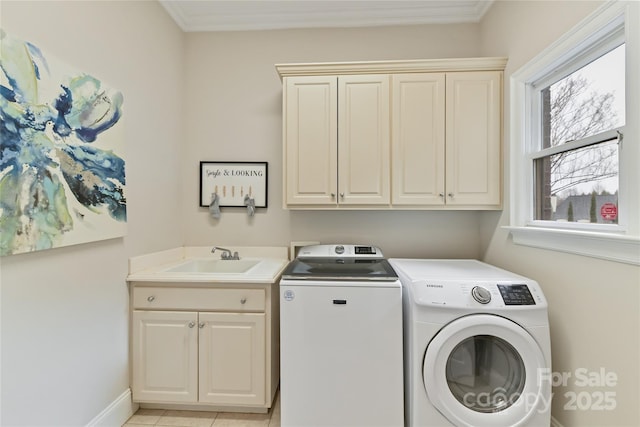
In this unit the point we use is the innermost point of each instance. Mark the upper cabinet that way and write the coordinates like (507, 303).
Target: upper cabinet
(446, 144)
(311, 140)
(363, 140)
(473, 139)
(418, 148)
(331, 165)
(384, 135)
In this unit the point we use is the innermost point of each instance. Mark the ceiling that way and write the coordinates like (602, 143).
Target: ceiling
(243, 15)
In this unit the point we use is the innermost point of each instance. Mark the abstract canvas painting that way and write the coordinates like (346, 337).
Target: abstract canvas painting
(62, 169)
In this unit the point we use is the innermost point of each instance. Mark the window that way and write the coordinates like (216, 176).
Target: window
(580, 120)
(575, 150)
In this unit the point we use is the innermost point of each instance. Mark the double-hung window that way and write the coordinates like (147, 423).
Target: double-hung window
(579, 125)
(575, 140)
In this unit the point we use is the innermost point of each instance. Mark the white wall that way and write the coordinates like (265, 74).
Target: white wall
(234, 113)
(594, 305)
(64, 312)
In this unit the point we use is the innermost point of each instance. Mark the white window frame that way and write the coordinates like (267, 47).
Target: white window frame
(611, 242)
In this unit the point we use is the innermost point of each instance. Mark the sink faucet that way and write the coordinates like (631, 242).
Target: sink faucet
(226, 253)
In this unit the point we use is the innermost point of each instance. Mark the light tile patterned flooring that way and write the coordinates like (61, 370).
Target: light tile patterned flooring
(161, 417)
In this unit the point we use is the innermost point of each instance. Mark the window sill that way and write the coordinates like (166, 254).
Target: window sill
(611, 247)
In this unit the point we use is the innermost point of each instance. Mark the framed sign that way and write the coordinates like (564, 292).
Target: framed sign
(232, 181)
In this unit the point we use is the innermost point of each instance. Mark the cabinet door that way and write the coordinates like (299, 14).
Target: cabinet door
(310, 132)
(473, 138)
(233, 358)
(417, 144)
(363, 140)
(165, 356)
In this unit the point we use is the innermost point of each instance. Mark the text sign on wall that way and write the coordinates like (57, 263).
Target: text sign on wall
(232, 182)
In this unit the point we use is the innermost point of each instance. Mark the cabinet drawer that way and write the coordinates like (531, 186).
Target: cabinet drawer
(199, 299)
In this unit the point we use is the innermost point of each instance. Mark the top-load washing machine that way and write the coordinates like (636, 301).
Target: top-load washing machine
(341, 354)
(477, 345)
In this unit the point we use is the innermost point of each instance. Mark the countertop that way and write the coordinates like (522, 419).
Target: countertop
(153, 267)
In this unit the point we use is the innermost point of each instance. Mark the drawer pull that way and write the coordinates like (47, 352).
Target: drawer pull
(151, 298)
(192, 324)
(243, 300)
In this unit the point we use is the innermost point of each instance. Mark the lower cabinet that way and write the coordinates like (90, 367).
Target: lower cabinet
(202, 357)
(232, 358)
(165, 356)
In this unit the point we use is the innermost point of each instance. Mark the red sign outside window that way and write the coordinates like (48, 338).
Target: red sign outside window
(609, 211)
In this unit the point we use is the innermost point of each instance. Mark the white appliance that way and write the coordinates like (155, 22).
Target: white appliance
(341, 351)
(477, 345)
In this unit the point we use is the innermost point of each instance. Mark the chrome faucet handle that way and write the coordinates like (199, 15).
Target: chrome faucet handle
(226, 253)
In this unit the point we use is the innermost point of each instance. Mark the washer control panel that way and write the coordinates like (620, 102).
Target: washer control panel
(340, 251)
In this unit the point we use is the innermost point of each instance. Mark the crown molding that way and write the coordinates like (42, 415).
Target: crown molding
(248, 15)
(392, 67)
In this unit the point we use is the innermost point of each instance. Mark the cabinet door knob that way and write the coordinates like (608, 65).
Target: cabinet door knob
(333, 195)
(450, 195)
(243, 300)
(192, 324)
(151, 298)
(342, 195)
(441, 194)
(201, 325)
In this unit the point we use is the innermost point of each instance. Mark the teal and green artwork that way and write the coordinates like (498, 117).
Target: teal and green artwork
(62, 170)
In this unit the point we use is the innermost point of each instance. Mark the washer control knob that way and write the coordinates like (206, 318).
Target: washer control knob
(480, 294)
(339, 249)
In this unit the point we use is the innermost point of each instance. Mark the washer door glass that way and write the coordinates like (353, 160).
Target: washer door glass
(485, 373)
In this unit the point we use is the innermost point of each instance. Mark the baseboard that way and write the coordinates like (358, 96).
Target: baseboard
(555, 423)
(117, 413)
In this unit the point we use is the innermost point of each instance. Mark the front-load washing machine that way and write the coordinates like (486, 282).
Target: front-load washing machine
(477, 345)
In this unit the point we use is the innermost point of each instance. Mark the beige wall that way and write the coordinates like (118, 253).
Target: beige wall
(234, 112)
(64, 311)
(594, 305)
(192, 97)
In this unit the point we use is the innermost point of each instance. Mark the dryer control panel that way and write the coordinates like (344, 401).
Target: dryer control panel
(486, 294)
(517, 294)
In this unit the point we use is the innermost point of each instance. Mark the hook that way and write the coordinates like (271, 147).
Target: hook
(251, 205)
(214, 207)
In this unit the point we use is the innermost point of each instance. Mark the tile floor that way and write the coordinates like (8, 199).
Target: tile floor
(161, 417)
